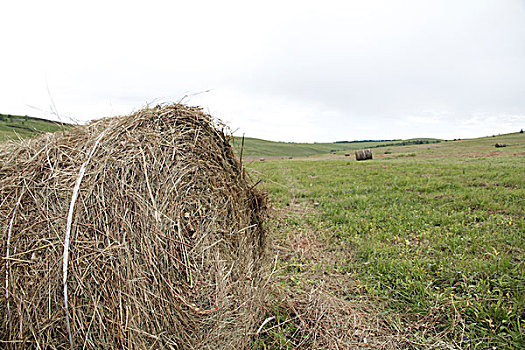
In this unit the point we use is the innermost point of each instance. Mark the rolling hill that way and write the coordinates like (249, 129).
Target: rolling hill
(14, 127)
(262, 148)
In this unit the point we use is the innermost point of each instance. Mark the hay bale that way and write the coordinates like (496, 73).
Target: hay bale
(261, 159)
(363, 154)
(499, 145)
(166, 241)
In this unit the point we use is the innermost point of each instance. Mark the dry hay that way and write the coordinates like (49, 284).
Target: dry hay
(317, 319)
(166, 238)
(500, 145)
(363, 154)
(312, 303)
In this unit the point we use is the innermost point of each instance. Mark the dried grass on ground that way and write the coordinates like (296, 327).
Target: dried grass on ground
(314, 305)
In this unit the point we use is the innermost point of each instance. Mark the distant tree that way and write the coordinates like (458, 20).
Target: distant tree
(521, 131)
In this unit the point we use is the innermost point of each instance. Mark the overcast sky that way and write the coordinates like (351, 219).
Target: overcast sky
(279, 70)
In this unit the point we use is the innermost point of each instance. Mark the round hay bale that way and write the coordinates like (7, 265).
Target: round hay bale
(166, 238)
(363, 154)
(500, 145)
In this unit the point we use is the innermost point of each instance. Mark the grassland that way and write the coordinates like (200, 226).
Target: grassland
(262, 148)
(432, 233)
(13, 127)
(422, 247)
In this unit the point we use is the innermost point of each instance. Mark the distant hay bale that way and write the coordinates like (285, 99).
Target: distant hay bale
(363, 154)
(261, 159)
(499, 145)
(347, 154)
(166, 244)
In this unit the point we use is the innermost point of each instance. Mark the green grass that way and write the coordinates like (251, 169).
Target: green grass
(436, 231)
(437, 235)
(257, 147)
(13, 127)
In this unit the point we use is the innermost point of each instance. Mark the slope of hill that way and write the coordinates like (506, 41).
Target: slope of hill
(477, 147)
(13, 127)
(257, 147)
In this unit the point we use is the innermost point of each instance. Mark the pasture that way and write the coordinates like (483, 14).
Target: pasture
(14, 127)
(421, 247)
(254, 148)
(428, 237)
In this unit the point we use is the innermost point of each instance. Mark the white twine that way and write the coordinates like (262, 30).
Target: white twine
(271, 318)
(68, 231)
(8, 243)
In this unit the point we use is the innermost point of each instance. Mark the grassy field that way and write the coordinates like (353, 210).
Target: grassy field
(13, 127)
(262, 148)
(434, 234)
(421, 247)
